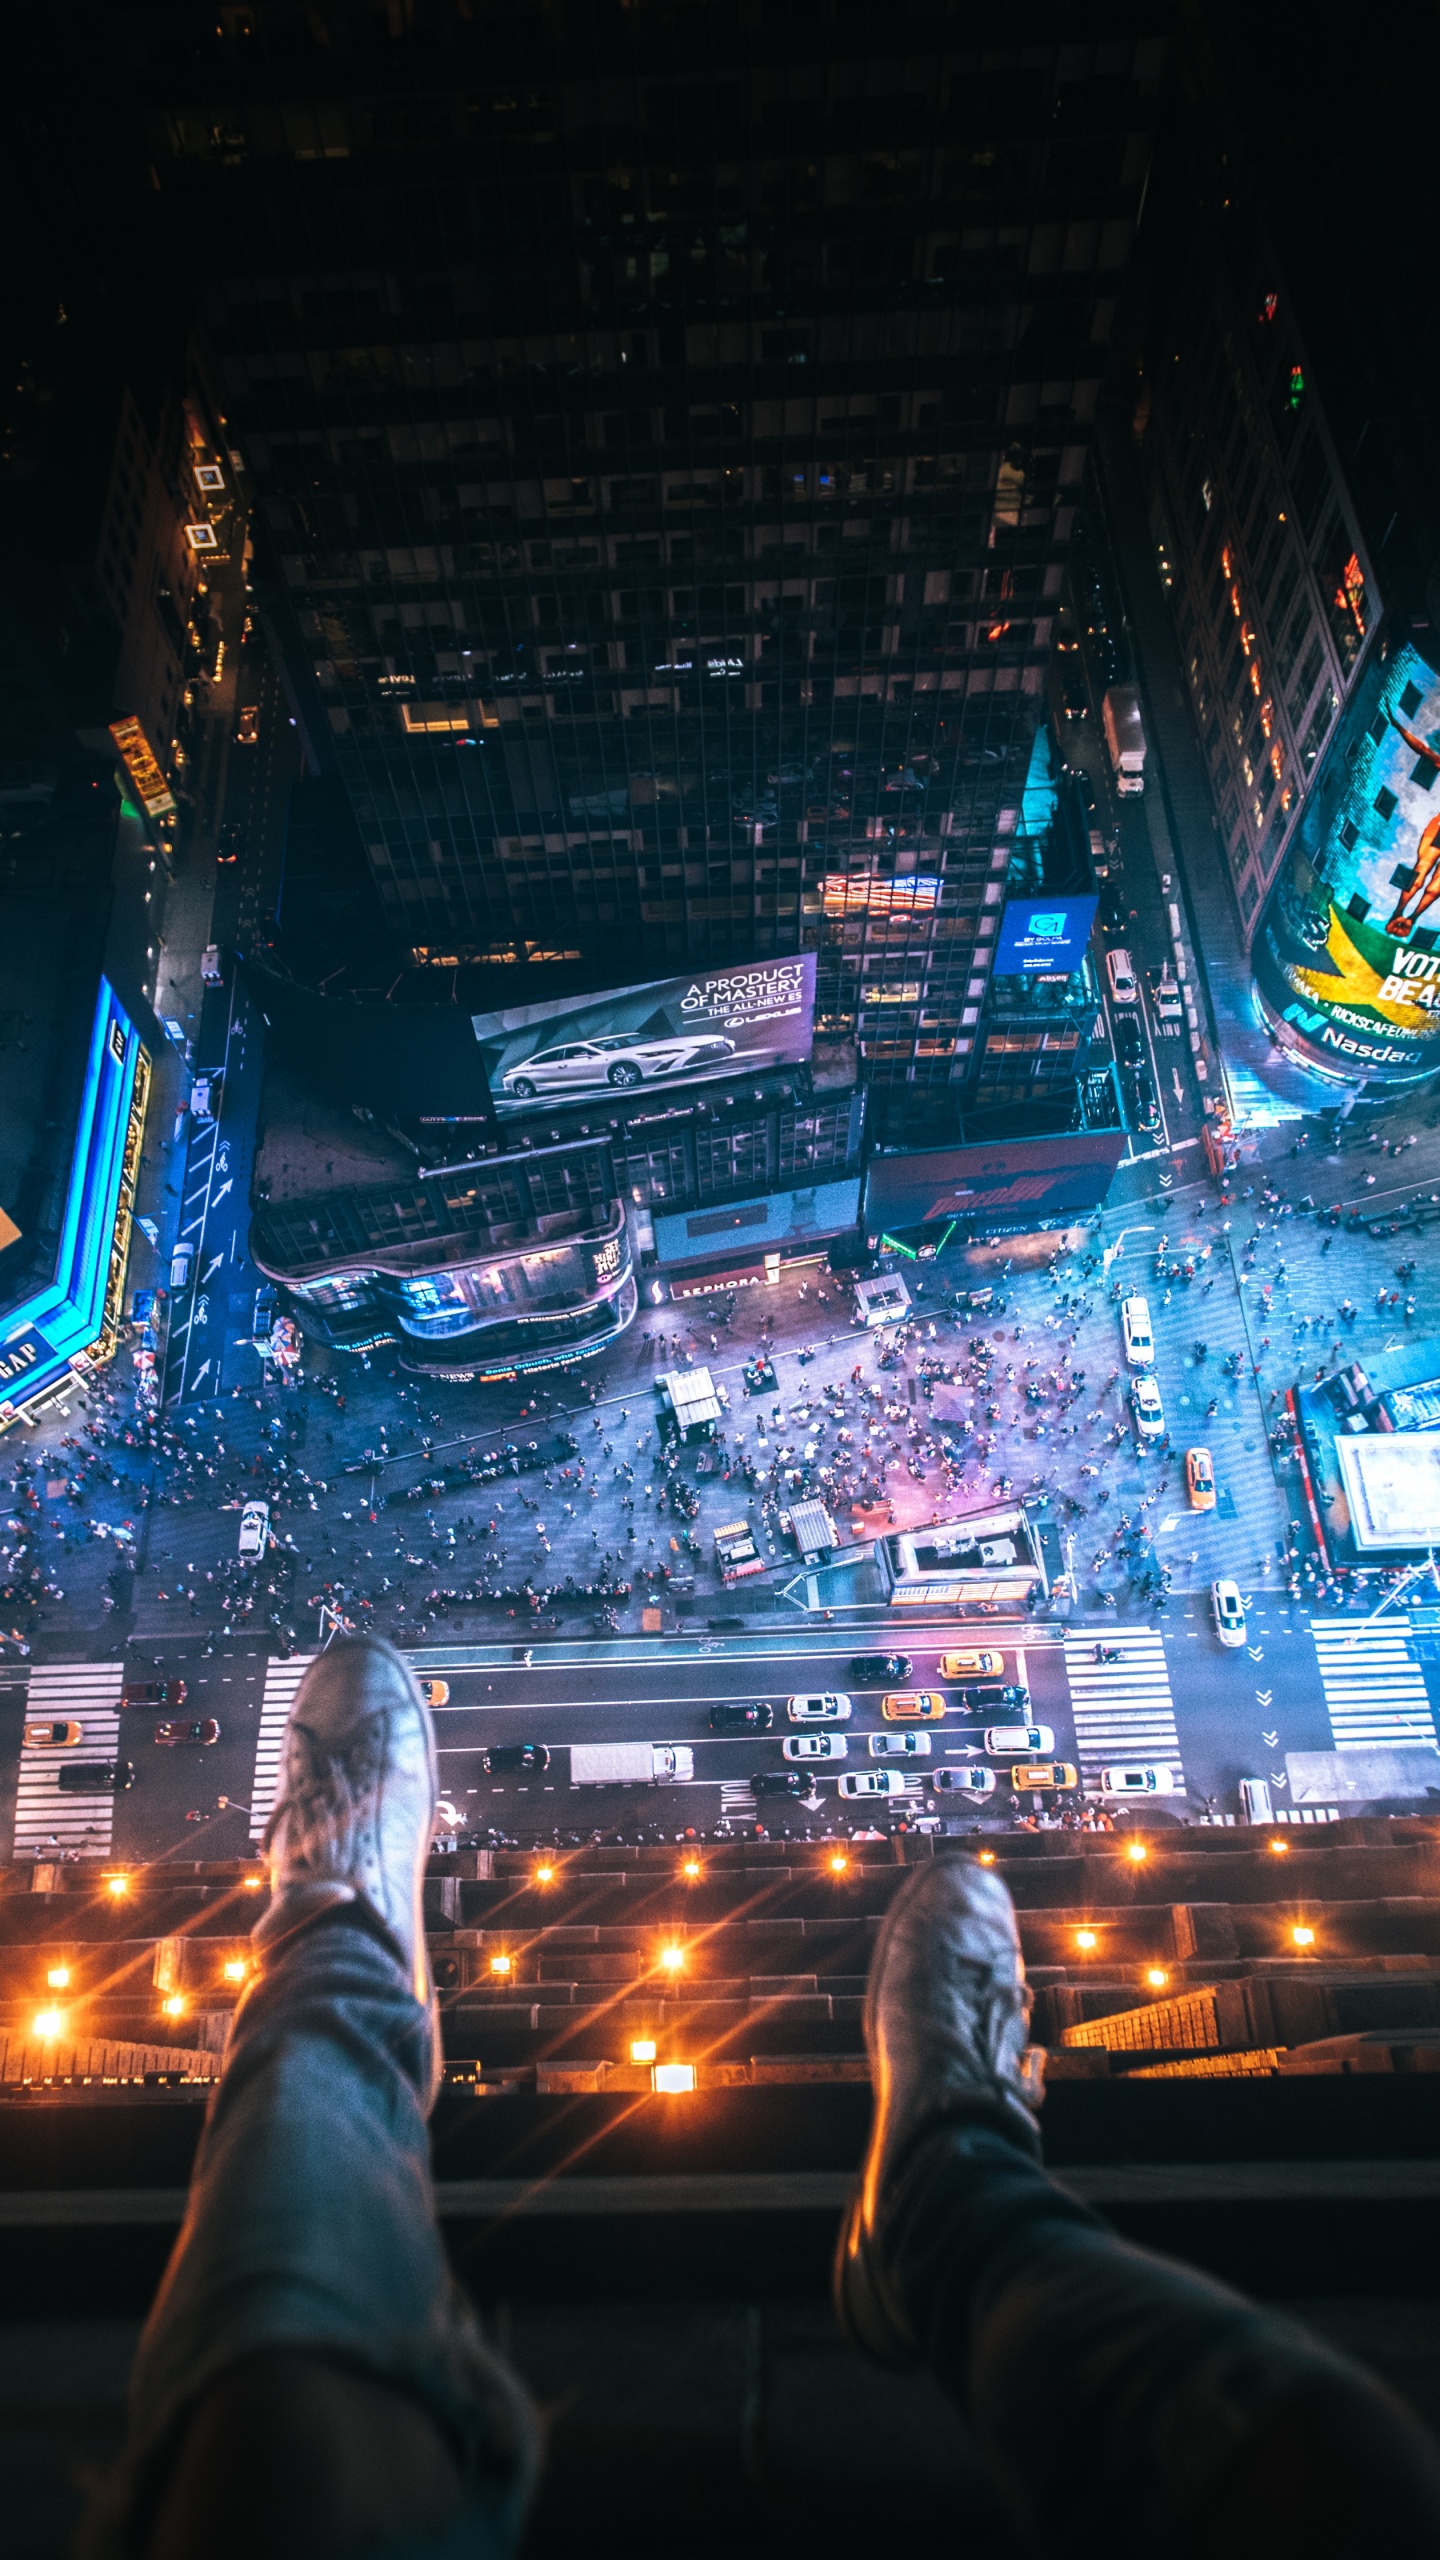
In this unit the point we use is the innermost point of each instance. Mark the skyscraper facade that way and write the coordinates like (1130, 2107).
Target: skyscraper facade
(665, 427)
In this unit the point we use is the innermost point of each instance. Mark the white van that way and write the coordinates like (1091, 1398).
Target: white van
(1124, 985)
(1139, 1339)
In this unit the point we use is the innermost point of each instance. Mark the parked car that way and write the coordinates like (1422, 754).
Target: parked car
(247, 732)
(1029, 1777)
(178, 1729)
(963, 1782)
(1002, 1741)
(912, 1706)
(212, 967)
(979, 1665)
(1149, 1411)
(62, 1735)
(254, 1530)
(154, 1693)
(1200, 1479)
(742, 1719)
(828, 1706)
(1129, 1044)
(517, 1759)
(1141, 1778)
(1138, 1333)
(872, 1782)
(436, 1693)
(621, 1058)
(779, 1782)
(182, 1263)
(900, 1746)
(206, 1095)
(814, 1746)
(981, 1694)
(1120, 969)
(1228, 1610)
(96, 1777)
(877, 1670)
(263, 1316)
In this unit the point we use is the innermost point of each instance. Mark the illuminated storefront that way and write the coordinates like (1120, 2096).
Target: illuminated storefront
(474, 1298)
(72, 1323)
(1347, 958)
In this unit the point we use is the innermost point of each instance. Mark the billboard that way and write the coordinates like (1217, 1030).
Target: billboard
(808, 1216)
(1043, 937)
(666, 1037)
(138, 757)
(1020, 1182)
(1347, 957)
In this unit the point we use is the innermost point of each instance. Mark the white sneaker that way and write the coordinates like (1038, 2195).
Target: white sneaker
(356, 1806)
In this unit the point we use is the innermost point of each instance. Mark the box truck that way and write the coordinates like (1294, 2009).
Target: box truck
(630, 1764)
(1125, 738)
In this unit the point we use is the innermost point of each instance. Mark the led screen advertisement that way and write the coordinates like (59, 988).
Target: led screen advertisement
(1347, 958)
(1020, 1180)
(1043, 937)
(665, 1037)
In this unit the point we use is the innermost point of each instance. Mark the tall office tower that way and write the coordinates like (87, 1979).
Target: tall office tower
(666, 426)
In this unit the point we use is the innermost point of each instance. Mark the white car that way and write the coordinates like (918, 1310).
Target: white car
(814, 1746)
(1002, 1741)
(1149, 1411)
(622, 1058)
(1124, 985)
(964, 1782)
(828, 1706)
(1141, 1778)
(873, 1782)
(1229, 1612)
(900, 1746)
(1139, 1338)
(254, 1530)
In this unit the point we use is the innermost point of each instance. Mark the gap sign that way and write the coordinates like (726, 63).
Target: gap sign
(1044, 937)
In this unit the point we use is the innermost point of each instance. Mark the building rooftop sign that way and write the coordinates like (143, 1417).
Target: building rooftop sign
(141, 763)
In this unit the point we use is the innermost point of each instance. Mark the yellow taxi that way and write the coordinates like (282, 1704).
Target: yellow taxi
(1034, 1777)
(912, 1706)
(436, 1693)
(1200, 1479)
(972, 1666)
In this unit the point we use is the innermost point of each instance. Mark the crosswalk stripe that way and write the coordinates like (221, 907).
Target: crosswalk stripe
(282, 1679)
(1375, 1693)
(47, 1822)
(1122, 1710)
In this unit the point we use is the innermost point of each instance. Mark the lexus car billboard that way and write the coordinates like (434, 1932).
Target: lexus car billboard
(1347, 958)
(1020, 1181)
(1044, 937)
(670, 1035)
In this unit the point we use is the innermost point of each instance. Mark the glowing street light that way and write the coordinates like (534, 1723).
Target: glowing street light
(48, 2024)
(642, 2049)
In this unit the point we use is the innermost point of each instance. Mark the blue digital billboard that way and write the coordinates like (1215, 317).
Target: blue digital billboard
(78, 1312)
(1043, 937)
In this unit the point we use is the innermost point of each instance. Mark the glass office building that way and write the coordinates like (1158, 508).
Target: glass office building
(665, 430)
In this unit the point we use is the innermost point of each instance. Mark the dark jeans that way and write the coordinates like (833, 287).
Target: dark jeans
(309, 2380)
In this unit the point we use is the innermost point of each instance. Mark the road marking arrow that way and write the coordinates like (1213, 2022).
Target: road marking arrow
(1264, 1697)
(1271, 1741)
(1179, 1088)
(1256, 1652)
(1279, 1778)
(1165, 1181)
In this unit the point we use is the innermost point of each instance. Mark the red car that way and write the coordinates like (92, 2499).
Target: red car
(203, 1729)
(153, 1693)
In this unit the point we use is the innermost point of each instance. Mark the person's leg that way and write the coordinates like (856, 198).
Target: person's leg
(308, 2371)
(1121, 2397)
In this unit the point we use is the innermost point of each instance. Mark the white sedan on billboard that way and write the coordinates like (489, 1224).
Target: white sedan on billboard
(621, 1058)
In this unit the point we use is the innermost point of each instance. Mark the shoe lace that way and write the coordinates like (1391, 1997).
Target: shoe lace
(325, 1797)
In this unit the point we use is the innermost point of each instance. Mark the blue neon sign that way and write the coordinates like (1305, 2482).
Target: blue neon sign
(78, 1309)
(1044, 937)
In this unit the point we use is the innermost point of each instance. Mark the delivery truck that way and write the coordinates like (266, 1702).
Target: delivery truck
(1125, 738)
(630, 1764)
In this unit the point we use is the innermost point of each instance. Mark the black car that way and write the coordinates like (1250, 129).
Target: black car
(517, 1759)
(779, 1782)
(96, 1777)
(1128, 1040)
(880, 1670)
(741, 1719)
(981, 1695)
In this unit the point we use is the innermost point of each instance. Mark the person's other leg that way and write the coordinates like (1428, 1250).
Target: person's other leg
(1123, 2398)
(308, 2301)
